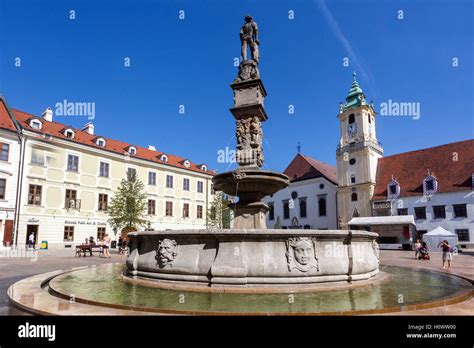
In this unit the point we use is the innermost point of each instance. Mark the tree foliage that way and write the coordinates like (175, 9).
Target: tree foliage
(219, 213)
(127, 208)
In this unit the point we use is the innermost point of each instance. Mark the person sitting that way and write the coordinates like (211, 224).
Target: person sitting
(91, 240)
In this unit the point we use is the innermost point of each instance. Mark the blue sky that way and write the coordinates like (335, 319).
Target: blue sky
(190, 62)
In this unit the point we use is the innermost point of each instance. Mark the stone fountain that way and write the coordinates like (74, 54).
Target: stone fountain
(250, 255)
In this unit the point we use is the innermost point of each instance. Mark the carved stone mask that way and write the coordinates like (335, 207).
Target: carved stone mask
(167, 252)
(301, 254)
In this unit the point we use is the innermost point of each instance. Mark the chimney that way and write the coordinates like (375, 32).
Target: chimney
(89, 128)
(151, 147)
(47, 115)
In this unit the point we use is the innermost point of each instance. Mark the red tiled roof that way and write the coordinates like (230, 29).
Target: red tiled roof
(451, 164)
(5, 120)
(305, 168)
(56, 129)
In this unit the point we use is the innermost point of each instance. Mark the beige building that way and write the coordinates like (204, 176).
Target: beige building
(357, 156)
(70, 175)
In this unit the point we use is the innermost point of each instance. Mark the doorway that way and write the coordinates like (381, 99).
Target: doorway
(7, 233)
(32, 229)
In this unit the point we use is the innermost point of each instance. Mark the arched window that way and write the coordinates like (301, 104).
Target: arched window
(393, 189)
(187, 164)
(164, 158)
(132, 150)
(430, 185)
(302, 207)
(353, 179)
(322, 206)
(354, 197)
(286, 209)
(69, 133)
(351, 118)
(36, 124)
(100, 142)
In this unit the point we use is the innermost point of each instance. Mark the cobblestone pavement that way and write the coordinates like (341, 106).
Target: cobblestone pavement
(14, 268)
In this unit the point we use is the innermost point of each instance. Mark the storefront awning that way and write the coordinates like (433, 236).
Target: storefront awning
(383, 220)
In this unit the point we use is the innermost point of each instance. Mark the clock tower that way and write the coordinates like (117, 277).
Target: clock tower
(357, 156)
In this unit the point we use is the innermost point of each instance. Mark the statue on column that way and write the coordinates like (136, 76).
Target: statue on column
(249, 37)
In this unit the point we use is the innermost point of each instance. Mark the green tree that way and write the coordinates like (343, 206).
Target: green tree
(277, 225)
(219, 213)
(127, 208)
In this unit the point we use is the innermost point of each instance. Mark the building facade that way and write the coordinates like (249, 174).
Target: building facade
(357, 156)
(435, 185)
(68, 177)
(10, 151)
(309, 201)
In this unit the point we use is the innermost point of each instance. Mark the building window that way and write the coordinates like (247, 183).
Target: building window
(131, 173)
(169, 209)
(69, 133)
(393, 189)
(321, 186)
(101, 233)
(351, 118)
(439, 212)
(103, 200)
(164, 158)
(354, 197)
(200, 186)
(34, 195)
(286, 209)
(213, 191)
(104, 169)
(100, 142)
(3, 185)
(169, 181)
(185, 210)
(352, 161)
(199, 212)
(322, 206)
(4, 153)
(70, 200)
(402, 211)
(186, 184)
(132, 151)
(37, 157)
(460, 210)
(151, 207)
(271, 211)
(353, 179)
(302, 207)
(35, 124)
(73, 163)
(420, 213)
(430, 185)
(68, 233)
(463, 235)
(152, 178)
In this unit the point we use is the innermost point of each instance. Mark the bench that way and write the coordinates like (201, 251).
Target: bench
(90, 248)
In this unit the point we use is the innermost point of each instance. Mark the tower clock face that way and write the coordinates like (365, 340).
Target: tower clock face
(352, 129)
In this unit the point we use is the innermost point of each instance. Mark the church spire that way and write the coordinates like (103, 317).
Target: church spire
(355, 97)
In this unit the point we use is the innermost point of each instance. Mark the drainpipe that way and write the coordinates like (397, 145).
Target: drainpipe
(19, 190)
(338, 226)
(207, 199)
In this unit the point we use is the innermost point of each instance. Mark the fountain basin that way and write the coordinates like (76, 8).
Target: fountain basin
(252, 258)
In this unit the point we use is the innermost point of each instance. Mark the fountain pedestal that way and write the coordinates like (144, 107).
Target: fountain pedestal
(249, 182)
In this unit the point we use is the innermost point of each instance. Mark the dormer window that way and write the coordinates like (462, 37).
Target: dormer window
(204, 168)
(69, 133)
(164, 158)
(132, 150)
(393, 189)
(187, 164)
(36, 124)
(100, 142)
(430, 185)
